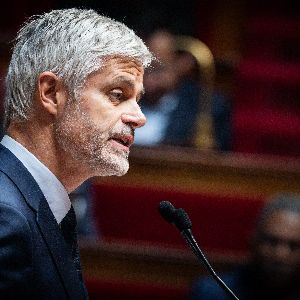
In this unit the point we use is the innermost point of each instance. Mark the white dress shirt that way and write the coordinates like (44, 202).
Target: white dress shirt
(53, 190)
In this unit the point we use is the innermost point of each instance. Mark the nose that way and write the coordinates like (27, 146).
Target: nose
(282, 251)
(134, 117)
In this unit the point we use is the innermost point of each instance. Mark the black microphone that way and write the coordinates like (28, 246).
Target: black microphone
(181, 220)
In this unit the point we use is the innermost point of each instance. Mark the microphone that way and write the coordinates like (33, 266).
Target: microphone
(181, 220)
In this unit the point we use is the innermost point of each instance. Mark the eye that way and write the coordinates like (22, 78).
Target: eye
(294, 245)
(116, 95)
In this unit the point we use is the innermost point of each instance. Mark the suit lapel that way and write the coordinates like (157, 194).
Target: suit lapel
(60, 253)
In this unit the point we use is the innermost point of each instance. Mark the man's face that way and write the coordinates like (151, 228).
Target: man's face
(98, 129)
(278, 248)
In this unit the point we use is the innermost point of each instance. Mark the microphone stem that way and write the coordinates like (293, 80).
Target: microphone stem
(189, 238)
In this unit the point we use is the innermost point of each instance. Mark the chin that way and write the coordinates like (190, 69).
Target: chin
(111, 172)
(118, 170)
(111, 168)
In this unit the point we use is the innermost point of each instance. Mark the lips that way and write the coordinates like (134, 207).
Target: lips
(125, 140)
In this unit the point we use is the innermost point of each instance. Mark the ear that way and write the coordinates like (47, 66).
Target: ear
(51, 92)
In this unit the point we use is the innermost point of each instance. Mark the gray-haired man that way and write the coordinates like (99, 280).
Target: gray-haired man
(72, 92)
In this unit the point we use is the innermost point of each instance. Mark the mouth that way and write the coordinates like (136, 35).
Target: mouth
(123, 141)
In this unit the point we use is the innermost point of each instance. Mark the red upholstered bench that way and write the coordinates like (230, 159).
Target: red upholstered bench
(267, 132)
(266, 110)
(220, 223)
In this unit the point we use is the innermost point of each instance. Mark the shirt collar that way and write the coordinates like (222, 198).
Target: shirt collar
(55, 193)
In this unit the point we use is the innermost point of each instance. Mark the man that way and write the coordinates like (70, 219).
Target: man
(71, 107)
(274, 272)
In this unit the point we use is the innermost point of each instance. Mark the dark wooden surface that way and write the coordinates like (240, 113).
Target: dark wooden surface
(210, 172)
(147, 264)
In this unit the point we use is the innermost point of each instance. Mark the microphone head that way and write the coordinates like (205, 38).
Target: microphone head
(167, 211)
(182, 220)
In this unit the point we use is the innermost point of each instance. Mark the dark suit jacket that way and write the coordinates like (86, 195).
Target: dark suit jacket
(35, 260)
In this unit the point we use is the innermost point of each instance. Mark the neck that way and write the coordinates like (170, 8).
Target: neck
(41, 142)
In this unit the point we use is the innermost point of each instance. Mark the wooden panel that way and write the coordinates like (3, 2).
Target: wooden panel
(209, 172)
(146, 264)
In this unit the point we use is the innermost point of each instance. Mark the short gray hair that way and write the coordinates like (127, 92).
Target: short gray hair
(70, 43)
(288, 202)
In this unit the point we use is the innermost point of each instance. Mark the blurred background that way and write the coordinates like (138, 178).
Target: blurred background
(222, 138)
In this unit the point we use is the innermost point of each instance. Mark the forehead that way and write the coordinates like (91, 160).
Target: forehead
(283, 224)
(117, 71)
(114, 66)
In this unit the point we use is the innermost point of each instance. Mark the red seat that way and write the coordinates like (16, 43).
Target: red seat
(220, 223)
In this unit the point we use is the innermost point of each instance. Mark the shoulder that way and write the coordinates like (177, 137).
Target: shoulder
(208, 288)
(190, 87)
(16, 249)
(13, 210)
(15, 230)
(14, 225)
(9, 192)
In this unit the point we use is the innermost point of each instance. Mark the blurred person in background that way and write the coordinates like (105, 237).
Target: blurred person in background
(273, 272)
(159, 81)
(172, 101)
(182, 126)
(175, 95)
(221, 106)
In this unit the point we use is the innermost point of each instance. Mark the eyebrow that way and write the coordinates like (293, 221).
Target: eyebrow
(123, 80)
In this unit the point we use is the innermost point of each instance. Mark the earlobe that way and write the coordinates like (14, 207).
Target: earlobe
(48, 87)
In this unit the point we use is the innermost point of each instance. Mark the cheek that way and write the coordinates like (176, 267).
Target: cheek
(295, 257)
(104, 121)
(101, 113)
(267, 252)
